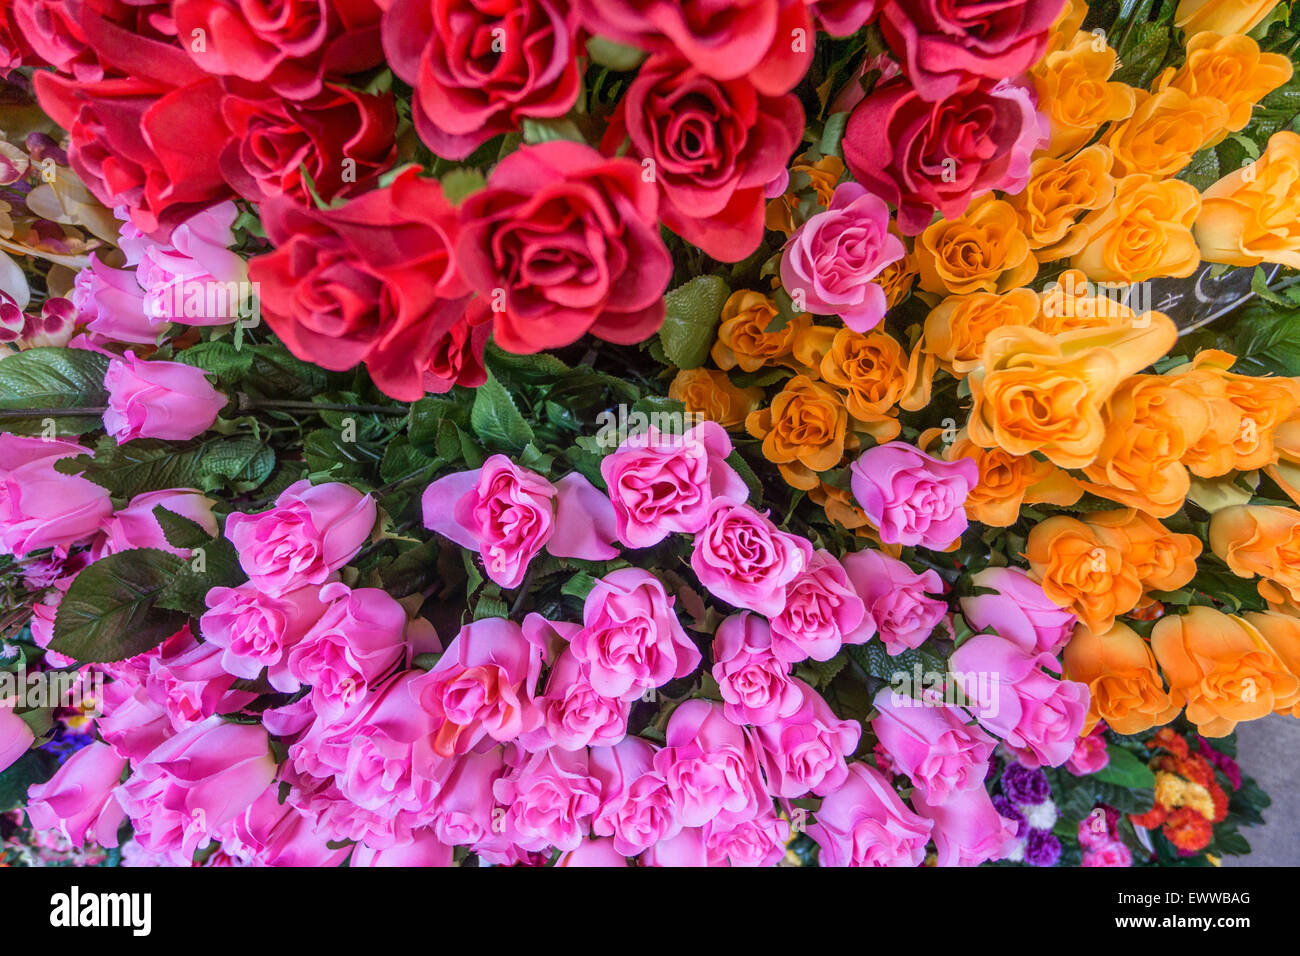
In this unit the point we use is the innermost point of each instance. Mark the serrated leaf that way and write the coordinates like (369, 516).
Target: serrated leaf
(52, 378)
(1125, 770)
(496, 420)
(110, 612)
(691, 314)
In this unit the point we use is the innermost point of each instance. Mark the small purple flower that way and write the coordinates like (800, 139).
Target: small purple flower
(1025, 787)
(1007, 809)
(1042, 849)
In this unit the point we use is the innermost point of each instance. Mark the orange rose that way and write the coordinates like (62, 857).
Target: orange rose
(1044, 393)
(1149, 425)
(897, 280)
(1006, 482)
(982, 251)
(1072, 302)
(1083, 569)
(1223, 667)
(1124, 685)
(956, 328)
(1232, 70)
(1221, 16)
(1076, 93)
(1282, 633)
(1144, 234)
(710, 393)
(1253, 215)
(1165, 131)
(1261, 540)
(743, 338)
(1286, 470)
(1162, 560)
(840, 506)
(1067, 25)
(823, 174)
(1059, 191)
(804, 432)
(871, 371)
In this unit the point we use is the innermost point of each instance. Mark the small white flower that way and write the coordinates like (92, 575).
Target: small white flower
(1041, 816)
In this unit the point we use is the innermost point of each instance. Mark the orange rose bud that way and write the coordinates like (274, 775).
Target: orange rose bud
(1163, 560)
(1165, 131)
(1124, 685)
(956, 328)
(1006, 482)
(1076, 92)
(804, 432)
(1084, 570)
(1042, 393)
(710, 393)
(1282, 632)
(1252, 215)
(871, 371)
(1286, 470)
(1232, 70)
(1145, 233)
(743, 338)
(982, 251)
(1059, 191)
(1261, 540)
(1221, 16)
(1223, 667)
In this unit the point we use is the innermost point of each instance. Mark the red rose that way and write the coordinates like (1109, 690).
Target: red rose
(479, 66)
(290, 45)
(564, 241)
(922, 156)
(771, 41)
(843, 18)
(715, 145)
(457, 357)
(140, 144)
(91, 39)
(373, 281)
(946, 45)
(343, 138)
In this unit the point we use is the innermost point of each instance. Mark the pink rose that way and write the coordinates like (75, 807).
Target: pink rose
(568, 240)
(15, 735)
(593, 853)
(111, 305)
(636, 807)
(944, 46)
(133, 724)
(166, 400)
(660, 483)
(864, 823)
(550, 797)
(631, 639)
(911, 498)
(709, 765)
(41, 507)
(423, 850)
(194, 278)
(311, 532)
(189, 681)
(822, 613)
(194, 784)
(1114, 853)
(1019, 612)
(1036, 714)
(482, 686)
(358, 639)
(1090, 753)
(829, 263)
(509, 514)
(896, 598)
(755, 684)
(687, 849)
(938, 748)
(742, 558)
(136, 527)
(968, 831)
(257, 630)
(574, 715)
(78, 800)
(759, 841)
(465, 813)
(269, 833)
(806, 751)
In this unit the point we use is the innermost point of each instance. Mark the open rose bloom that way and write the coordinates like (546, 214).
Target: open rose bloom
(646, 433)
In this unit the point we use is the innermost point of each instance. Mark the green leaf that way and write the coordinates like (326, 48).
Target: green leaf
(616, 56)
(737, 461)
(1125, 770)
(242, 460)
(459, 183)
(690, 320)
(496, 419)
(33, 767)
(833, 134)
(578, 586)
(52, 378)
(548, 130)
(220, 359)
(180, 532)
(110, 612)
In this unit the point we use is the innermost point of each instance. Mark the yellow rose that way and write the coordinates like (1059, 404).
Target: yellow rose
(1261, 540)
(1076, 92)
(1145, 233)
(1067, 25)
(897, 280)
(1252, 215)
(1165, 131)
(1232, 70)
(981, 251)
(1125, 687)
(956, 328)
(743, 338)
(1059, 191)
(1042, 393)
(1221, 16)
(710, 393)
(1161, 559)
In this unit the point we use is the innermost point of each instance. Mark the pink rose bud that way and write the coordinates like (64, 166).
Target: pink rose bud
(167, 400)
(593, 853)
(78, 800)
(1019, 612)
(15, 735)
(968, 831)
(710, 766)
(822, 613)
(423, 850)
(313, 531)
(636, 808)
(41, 507)
(863, 822)
(270, 833)
(256, 630)
(937, 747)
(897, 598)
(759, 841)
(136, 527)
(550, 797)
